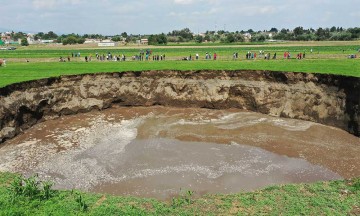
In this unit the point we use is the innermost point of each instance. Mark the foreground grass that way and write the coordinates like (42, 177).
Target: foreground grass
(18, 72)
(322, 198)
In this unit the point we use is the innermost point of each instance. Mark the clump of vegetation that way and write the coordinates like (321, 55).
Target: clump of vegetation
(73, 39)
(185, 197)
(157, 39)
(31, 188)
(24, 42)
(82, 204)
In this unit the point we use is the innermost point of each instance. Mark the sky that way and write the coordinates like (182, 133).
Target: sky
(111, 17)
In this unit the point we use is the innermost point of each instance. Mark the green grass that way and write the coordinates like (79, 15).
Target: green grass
(224, 51)
(327, 57)
(321, 198)
(19, 71)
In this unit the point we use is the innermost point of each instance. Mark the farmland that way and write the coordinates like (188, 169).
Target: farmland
(176, 51)
(29, 63)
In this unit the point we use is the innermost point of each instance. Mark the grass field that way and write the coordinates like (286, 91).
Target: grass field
(175, 52)
(327, 57)
(20, 71)
(322, 198)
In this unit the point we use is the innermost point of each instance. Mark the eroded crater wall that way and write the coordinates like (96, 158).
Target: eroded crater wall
(328, 99)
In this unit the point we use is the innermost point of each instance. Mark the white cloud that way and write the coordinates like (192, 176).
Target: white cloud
(53, 4)
(183, 1)
(130, 8)
(44, 4)
(257, 10)
(206, 13)
(355, 14)
(175, 14)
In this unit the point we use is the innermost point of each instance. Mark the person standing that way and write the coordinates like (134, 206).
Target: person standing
(215, 56)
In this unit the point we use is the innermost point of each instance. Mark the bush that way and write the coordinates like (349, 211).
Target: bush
(31, 187)
(24, 42)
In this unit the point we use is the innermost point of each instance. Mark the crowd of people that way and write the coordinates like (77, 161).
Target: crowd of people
(250, 55)
(148, 55)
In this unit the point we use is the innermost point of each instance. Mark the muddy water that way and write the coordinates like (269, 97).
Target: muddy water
(157, 151)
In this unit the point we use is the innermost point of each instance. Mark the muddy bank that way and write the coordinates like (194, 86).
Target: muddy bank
(155, 151)
(327, 99)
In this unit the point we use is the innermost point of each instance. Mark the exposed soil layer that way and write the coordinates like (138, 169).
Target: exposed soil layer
(327, 99)
(155, 151)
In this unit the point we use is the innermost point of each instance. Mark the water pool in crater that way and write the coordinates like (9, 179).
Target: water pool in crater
(158, 151)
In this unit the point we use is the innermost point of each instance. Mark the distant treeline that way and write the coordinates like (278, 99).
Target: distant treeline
(185, 35)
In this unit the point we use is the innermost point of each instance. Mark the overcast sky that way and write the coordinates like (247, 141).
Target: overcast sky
(111, 17)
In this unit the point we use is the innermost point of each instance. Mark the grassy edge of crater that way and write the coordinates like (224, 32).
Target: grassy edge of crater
(20, 72)
(341, 197)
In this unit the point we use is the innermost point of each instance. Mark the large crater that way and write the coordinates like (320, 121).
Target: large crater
(158, 137)
(327, 99)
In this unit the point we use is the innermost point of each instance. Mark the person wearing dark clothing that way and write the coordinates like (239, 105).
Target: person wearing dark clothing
(274, 57)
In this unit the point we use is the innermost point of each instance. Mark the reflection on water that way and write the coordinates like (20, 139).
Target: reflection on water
(153, 152)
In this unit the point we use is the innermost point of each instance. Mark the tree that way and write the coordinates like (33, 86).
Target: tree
(116, 39)
(207, 38)
(80, 40)
(258, 38)
(281, 36)
(199, 39)
(239, 37)
(40, 35)
(50, 35)
(24, 42)
(124, 35)
(157, 39)
(18, 35)
(69, 40)
(230, 38)
(355, 32)
(274, 30)
(162, 39)
(298, 31)
(340, 36)
(284, 31)
(250, 31)
(185, 33)
(322, 34)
